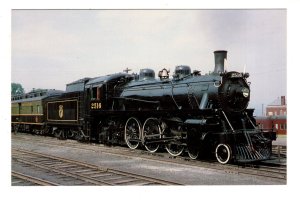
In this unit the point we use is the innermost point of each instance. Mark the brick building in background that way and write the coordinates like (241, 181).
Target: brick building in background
(276, 115)
(277, 108)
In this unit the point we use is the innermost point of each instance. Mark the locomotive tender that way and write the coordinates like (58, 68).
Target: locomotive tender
(201, 114)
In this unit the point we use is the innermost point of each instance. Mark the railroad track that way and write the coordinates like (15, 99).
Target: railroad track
(275, 171)
(81, 173)
(21, 179)
(279, 151)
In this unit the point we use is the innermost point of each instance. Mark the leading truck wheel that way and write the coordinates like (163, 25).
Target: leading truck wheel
(223, 153)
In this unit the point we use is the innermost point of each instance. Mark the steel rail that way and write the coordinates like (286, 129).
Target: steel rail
(32, 179)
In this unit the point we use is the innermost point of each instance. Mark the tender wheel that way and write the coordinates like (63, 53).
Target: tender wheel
(193, 153)
(174, 149)
(132, 133)
(223, 153)
(151, 131)
(16, 128)
(57, 133)
(70, 134)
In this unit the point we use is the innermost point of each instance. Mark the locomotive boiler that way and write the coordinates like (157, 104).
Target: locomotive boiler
(226, 90)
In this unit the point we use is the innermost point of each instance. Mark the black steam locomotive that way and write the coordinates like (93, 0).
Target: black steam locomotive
(201, 114)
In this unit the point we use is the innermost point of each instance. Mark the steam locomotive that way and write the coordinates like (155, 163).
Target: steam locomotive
(203, 115)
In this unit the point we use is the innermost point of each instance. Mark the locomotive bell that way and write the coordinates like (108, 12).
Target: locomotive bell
(220, 56)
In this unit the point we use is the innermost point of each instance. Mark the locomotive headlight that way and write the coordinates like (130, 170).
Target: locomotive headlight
(245, 92)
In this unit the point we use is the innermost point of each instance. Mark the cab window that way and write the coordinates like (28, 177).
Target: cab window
(96, 93)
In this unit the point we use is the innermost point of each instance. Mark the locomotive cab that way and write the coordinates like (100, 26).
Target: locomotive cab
(95, 96)
(101, 91)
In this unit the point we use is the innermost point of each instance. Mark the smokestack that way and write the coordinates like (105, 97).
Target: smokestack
(219, 61)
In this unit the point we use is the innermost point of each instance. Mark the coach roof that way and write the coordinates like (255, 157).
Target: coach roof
(35, 96)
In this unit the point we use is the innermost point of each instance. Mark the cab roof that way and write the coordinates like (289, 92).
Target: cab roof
(104, 79)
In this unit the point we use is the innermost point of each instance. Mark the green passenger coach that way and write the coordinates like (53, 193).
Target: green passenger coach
(27, 112)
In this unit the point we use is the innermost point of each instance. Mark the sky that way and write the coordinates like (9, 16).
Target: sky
(50, 48)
